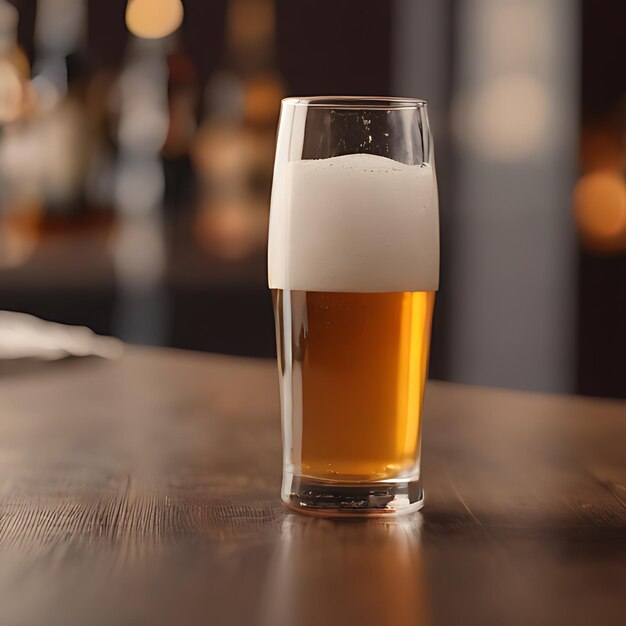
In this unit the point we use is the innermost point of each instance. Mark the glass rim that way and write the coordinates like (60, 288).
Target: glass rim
(356, 103)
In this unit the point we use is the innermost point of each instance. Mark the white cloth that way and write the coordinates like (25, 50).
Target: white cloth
(25, 336)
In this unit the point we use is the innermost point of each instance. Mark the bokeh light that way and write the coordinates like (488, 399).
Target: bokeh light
(153, 19)
(600, 209)
(505, 119)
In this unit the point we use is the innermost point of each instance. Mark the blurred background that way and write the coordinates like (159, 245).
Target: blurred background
(136, 148)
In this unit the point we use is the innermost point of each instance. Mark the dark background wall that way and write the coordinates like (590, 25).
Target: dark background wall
(320, 47)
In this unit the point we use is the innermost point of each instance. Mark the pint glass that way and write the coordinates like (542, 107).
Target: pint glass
(353, 265)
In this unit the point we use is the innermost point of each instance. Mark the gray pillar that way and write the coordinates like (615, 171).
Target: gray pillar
(420, 55)
(514, 117)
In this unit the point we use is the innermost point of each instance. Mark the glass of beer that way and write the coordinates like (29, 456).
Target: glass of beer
(353, 266)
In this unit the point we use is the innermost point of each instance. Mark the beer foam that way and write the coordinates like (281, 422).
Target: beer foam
(354, 223)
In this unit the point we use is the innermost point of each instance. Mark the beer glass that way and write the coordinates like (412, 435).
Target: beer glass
(353, 264)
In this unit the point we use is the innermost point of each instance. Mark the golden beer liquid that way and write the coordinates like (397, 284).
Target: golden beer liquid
(364, 361)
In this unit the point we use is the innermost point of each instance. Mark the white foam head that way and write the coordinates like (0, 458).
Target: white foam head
(354, 223)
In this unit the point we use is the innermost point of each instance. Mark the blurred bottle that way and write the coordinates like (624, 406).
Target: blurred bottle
(234, 148)
(102, 154)
(180, 176)
(159, 21)
(14, 67)
(18, 210)
(60, 39)
(138, 246)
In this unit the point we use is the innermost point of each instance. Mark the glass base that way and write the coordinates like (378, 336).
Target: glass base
(342, 499)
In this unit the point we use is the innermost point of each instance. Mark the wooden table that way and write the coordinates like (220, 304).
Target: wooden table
(145, 491)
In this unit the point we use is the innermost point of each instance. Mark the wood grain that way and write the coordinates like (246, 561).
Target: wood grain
(146, 492)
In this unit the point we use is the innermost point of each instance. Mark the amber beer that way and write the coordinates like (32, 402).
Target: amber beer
(353, 265)
(363, 360)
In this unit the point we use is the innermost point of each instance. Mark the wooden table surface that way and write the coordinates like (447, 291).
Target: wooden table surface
(145, 491)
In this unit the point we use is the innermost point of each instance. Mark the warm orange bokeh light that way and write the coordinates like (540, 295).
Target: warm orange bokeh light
(600, 209)
(262, 99)
(152, 19)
